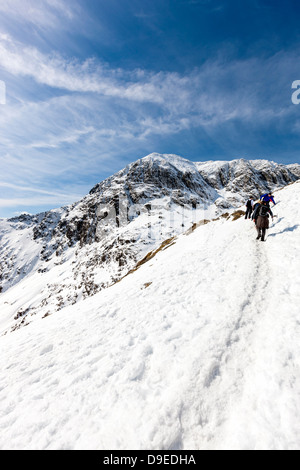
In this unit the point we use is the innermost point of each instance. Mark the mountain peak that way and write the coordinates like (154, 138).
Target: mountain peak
(166, 157)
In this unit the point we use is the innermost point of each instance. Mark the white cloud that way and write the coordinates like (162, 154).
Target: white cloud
(44, 13)
(71, 75)
(18, 195)
(216, 91)
(109, 108)
(55, 141)
(17, 187)
(57, 201)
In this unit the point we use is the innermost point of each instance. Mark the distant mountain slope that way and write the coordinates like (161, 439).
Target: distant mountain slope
(76, 251)
(197, 349)
(241, 179)
(295, 169)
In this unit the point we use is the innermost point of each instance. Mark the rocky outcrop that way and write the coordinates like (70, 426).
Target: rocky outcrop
(244, 178)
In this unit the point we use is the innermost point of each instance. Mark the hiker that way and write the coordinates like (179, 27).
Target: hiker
(268, 197)
(249, 208)
(256, 204)
(261, 219)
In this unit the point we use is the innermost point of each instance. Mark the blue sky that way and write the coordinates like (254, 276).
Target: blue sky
(92, 85)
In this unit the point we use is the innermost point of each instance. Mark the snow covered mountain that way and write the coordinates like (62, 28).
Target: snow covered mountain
(198, 348)
(66, 254)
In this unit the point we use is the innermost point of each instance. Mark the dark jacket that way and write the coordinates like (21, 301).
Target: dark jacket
(249, 204)
(256, 206)
(262, 221)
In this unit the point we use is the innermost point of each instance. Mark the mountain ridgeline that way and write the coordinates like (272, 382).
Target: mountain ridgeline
(75, 251)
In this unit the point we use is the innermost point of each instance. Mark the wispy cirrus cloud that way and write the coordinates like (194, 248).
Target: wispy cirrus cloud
(21, 196)
(44, 13)
(104, 108)
(65, 197)
(56, 141)
(34, 201)
(72, 75)
(217, 90)
(16, 187)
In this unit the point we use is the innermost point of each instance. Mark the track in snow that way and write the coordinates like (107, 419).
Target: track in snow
(215, 394)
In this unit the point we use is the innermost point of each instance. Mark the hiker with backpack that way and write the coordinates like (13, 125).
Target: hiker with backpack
(255, 206)
(249, 208)
(268, 197)
(261, 219)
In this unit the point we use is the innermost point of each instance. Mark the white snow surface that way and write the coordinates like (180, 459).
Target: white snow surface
(197, 349)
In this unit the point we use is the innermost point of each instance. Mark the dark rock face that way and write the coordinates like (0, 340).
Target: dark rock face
(93, 243)
(245, 177)
(294, 169)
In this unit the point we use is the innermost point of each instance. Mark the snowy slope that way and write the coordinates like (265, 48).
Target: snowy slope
(197, 349)
(54, 259)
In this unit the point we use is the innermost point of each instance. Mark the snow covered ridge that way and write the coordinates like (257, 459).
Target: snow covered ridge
(197, 349)
(62, 256)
